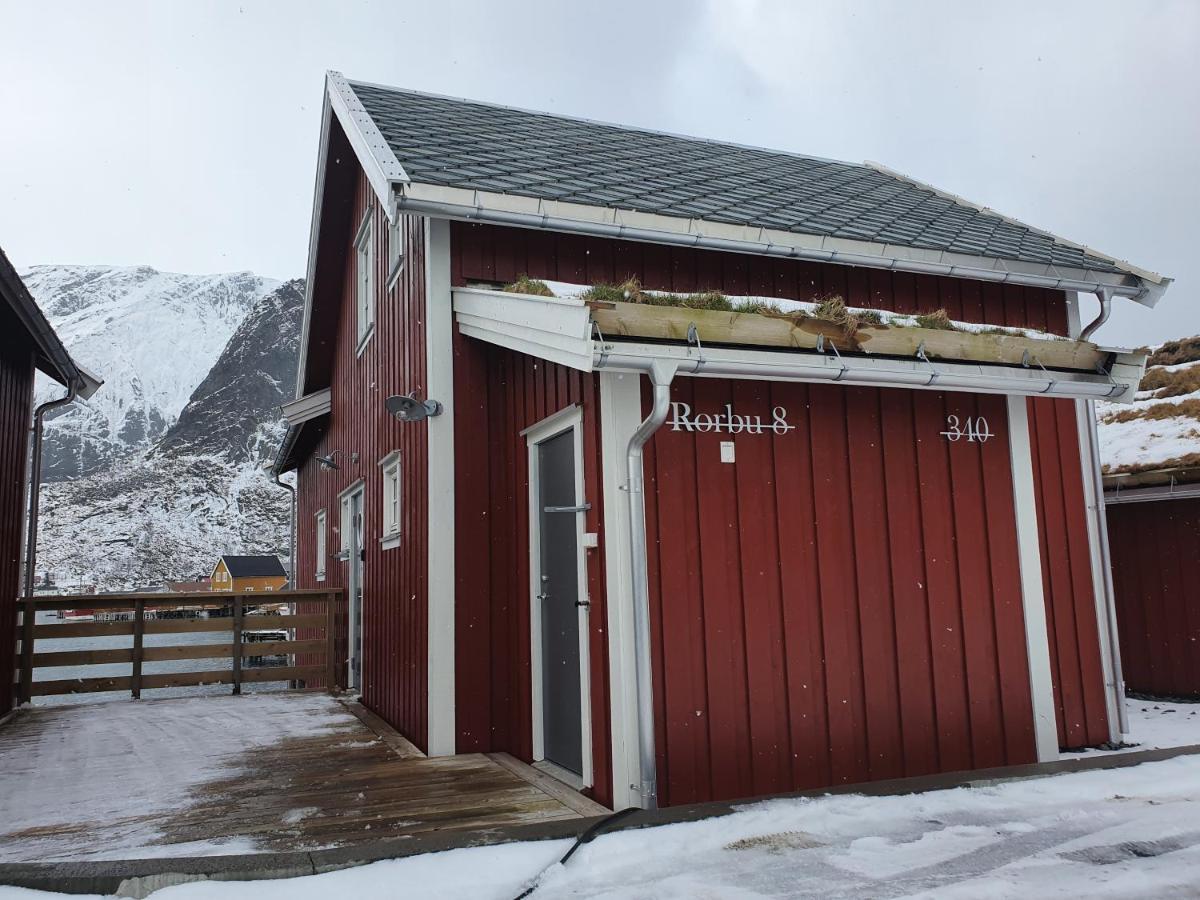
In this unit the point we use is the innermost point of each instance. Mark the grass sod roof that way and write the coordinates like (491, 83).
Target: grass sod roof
(628, 310)
(1156, 439)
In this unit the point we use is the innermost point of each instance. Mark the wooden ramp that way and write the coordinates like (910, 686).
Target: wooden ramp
(256, 773)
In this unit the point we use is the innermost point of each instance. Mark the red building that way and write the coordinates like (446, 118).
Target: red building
(1152, 498)
(27, 343)
(670, 554)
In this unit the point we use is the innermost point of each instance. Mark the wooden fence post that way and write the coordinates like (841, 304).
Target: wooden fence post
(139, 631)
(331, 673)
(238, 615)
(28, 618)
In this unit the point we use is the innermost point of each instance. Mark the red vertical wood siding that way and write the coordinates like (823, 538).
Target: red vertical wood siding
(1156, 576)
(499, 393)
(492, 253)
(844, 719)
(395, 623)
(840, 604)
(16, 398)
(1079, 691)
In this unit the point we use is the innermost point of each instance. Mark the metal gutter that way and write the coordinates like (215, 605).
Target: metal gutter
(855, 371)
(1151, 494)
(525, 212)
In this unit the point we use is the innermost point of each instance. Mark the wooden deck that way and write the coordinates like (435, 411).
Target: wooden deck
(266, 772)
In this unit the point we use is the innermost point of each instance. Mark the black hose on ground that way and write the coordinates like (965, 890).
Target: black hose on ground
(592, 832)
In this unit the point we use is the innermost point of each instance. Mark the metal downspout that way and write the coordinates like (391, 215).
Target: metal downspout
(660, 374)
(291, 489)
(1105, 297)
(1110, 597)
(35, 482)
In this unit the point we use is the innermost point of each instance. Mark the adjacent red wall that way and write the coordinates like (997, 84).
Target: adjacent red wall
(1079, 691)
(16, 397)
(842, 603)
(1156, 574)
(395, 669)
(498, 394)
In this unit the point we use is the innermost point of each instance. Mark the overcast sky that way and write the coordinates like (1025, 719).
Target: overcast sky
(184, 135)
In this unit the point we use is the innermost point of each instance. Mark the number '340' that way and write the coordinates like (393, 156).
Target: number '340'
(975, 428)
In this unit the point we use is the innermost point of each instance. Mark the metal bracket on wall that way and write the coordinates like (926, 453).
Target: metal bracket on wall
(693, 339)
(924, 357)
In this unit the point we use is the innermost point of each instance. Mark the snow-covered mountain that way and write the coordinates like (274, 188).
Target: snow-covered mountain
(152, 336)
(163, 506)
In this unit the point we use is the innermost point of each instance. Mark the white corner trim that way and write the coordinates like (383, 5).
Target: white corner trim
(439, 377)
(1102, 586)
(1029, 554)
(374, 154)
(620, 415)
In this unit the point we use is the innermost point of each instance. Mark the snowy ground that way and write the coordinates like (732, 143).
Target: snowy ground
(1155, 724)
(1122, 833)
(49, 786)
(1119, 833)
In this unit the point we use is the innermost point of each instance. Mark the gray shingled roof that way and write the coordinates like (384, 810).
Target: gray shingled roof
(253, 566)
(464, 144)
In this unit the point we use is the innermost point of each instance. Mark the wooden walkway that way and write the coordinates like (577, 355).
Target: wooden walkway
(265, 772)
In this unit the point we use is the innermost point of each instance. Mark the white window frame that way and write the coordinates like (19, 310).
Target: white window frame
(322, 525)
(345, 538)
(393, 495)
(395, 251)
(364, 281)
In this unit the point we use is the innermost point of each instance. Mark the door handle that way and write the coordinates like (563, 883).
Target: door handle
(543, 597)
(582, 507)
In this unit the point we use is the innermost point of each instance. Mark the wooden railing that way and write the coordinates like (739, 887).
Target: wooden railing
(314, 651)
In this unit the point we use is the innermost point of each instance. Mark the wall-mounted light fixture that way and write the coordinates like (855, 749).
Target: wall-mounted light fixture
(409, 409)
(326, 462)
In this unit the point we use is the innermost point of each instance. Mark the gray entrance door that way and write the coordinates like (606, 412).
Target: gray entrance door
(562, 730)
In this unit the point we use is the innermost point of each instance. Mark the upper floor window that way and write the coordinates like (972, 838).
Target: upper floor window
(364, 283)
(395, 250)
(322, 551)
(391, 500)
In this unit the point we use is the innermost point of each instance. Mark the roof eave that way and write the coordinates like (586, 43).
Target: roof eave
(556, 215)
(52, 356)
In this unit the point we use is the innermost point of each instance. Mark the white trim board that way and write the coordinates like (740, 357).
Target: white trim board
(546, 214)
(439, 378)
(309, 407)
(620, 415)
(1102, 589)
(1029, 553)
(568, 419)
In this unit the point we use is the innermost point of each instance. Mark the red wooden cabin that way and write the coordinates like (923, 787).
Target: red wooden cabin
(1152, 500)
(27, 343)
(810, 574)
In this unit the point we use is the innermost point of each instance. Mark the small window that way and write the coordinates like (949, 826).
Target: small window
(322, 551)
(395, 250)
(391, 499)
(365, 281)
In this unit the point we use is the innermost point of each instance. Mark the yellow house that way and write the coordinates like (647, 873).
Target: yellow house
(248, 573)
